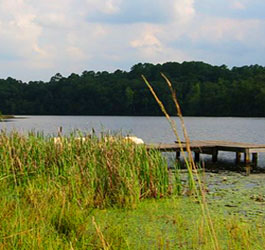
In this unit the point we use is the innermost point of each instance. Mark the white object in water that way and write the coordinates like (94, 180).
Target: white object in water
(134, 139)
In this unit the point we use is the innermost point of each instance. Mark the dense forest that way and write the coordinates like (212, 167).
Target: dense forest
(202, 90)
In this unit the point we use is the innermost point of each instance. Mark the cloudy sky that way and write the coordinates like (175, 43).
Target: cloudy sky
(39, 38)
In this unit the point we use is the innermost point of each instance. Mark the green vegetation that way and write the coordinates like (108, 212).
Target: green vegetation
(203, 90)
(96, 173)
(4, 117)
(103, 193)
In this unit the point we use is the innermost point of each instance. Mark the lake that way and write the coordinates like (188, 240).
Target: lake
(151, 129)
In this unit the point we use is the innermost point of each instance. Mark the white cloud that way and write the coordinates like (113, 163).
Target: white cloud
(40, 38)
(18, 30)
(147, 40)
(237, 5)
(184, 10)
(76, 53)
(104, 6)
(148, 45)
(112, 6)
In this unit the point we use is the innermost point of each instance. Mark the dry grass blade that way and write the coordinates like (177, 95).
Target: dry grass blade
(190, 164)
(205, 206)
(174, 97)
(171, 122)
(16, 234)
(100, 235)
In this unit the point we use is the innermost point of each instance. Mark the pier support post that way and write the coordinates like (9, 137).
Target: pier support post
(196, 156)
(247, 162)
(255, 159)
(238, 157)
(215, 155)
(177, 155)
(60, 131)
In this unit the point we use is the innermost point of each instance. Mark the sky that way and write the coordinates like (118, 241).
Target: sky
(39, 38)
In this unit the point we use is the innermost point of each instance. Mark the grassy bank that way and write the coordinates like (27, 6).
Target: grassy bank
(163, 224)
(103, 193)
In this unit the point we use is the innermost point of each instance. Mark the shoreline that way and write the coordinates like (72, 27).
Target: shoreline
(8, 117)
(5, 118)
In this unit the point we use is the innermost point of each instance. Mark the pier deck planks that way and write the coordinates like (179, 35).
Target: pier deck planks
(212, 147)
(204, 145)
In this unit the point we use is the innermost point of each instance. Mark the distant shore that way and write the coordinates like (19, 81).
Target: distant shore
(6, 117)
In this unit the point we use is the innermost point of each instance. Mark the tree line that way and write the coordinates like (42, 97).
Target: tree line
(202, 90)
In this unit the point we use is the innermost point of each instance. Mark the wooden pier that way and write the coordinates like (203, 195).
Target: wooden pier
(212, 148)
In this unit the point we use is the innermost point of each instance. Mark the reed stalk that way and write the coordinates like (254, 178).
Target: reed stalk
(105, 244)
(105, 172)
(190, 164)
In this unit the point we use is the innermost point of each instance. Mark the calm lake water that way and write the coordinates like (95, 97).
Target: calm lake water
(151, 129)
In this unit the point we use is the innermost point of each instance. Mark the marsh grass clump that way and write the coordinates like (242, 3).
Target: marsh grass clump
(50, 188)
(92, 172)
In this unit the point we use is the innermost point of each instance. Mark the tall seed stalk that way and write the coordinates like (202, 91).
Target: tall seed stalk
(190, 164)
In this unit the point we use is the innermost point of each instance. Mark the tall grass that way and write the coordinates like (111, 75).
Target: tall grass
(190, 164)
(47, 188)
(93, 172)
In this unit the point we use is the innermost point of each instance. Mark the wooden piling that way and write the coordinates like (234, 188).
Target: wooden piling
(247, 162)
(177, 155)
(238, 157)
(196, 156)
(60, 131)
(255, 159)
(212, 148)
(215, 155)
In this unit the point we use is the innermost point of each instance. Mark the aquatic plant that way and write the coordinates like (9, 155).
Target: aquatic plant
(94, 172)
